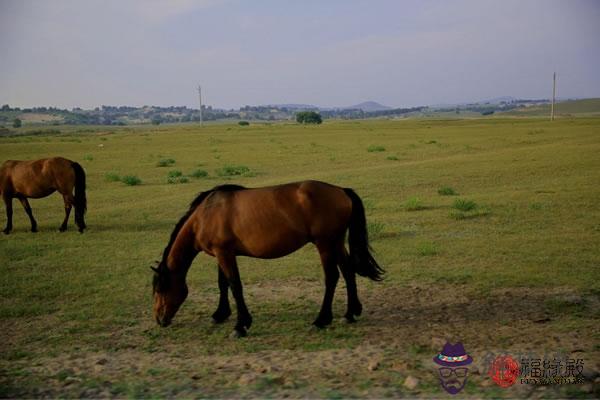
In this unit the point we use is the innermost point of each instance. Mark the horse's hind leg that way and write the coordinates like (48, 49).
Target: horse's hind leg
(223, 310)
(69, 201)
(9, 213)
(329, 262)
(354, 306)
(27, 208)
(229, 266)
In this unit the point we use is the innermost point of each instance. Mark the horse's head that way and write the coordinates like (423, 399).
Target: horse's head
(169, 291)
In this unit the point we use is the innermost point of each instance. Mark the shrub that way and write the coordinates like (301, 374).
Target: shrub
(535, 206)
(131, 180)
(112, 177)
(177, 179)
(464, 205)
(392, 158)
(375, 229)
(427, 249)
(374, 148)
(199, 173)
(413, 204)
(174, 173)
(446, 191)
(232, 170)
(165, 162)
(88, 157)
(243, 123)
(308, 117)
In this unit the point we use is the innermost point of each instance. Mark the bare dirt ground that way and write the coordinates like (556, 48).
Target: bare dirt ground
(404, 328)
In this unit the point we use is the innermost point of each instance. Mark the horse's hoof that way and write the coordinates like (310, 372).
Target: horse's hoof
(358, 310)
(320, 325)
(6, 231)
(34, 230)
(349, 318)
(219, 318)
(322, 322)
(61, 229)
(238, 333)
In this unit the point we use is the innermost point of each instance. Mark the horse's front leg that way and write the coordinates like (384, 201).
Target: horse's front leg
(9, 213)
(29, 213)
(223, 310)
(228, 265)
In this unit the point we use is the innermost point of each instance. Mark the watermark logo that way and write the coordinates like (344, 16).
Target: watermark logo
(453, 371)
(504, 370)
(557, 369)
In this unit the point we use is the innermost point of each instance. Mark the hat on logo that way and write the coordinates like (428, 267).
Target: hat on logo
(453, 355)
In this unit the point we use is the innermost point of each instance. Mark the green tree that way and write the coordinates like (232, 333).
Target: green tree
(308, 117)
(17, 123)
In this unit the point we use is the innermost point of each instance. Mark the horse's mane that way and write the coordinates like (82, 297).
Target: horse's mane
(193, 205)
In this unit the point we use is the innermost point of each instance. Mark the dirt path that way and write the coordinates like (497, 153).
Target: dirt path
(401, 337)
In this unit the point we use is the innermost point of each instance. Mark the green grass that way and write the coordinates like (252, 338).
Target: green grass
(165, 162)
(112, 177)
(446, 191)
(375, 149)
(131, 180)
(232, 170)
(414, 204)
(174, 173)
(199, 173)
(69, 299)
(464, 205)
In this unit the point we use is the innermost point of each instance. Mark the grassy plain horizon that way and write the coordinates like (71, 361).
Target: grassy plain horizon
(488, 229)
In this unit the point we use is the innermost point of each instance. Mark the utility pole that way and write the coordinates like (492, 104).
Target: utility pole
(553, 97)
(200, 98)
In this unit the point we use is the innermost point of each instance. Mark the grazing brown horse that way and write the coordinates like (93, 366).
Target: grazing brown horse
(41, 178)
(269, 222)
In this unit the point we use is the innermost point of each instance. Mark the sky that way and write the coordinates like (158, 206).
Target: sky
(326, 53)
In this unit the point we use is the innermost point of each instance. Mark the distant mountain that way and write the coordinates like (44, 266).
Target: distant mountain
(368, 106)
(498, 100)
(294, 106)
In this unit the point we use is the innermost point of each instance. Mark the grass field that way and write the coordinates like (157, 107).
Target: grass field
(489, 230)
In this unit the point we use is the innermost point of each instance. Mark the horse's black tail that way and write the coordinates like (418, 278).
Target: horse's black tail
(80, 199)
(358, 240)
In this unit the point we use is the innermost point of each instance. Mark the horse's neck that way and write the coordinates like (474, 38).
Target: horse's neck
(183, 250)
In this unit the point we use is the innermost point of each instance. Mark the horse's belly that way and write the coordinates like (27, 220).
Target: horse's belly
(273, 246)
(35, 191)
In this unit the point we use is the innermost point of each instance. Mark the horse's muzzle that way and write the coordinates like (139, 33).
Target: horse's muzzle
(164, 322)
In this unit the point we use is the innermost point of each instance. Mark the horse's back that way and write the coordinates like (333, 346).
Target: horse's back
(38, 178)
(273, 221)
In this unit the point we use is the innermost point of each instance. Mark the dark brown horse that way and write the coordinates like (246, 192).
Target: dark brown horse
(270, 222)
(41, 178)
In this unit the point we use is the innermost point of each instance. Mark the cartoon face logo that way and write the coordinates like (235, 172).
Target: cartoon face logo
(453, 371)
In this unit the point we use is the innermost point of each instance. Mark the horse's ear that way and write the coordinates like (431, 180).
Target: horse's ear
(154, 269)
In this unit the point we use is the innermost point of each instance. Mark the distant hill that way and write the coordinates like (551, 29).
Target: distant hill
(582, 107)
(498, 100)
(294, 106)
(368, 106)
